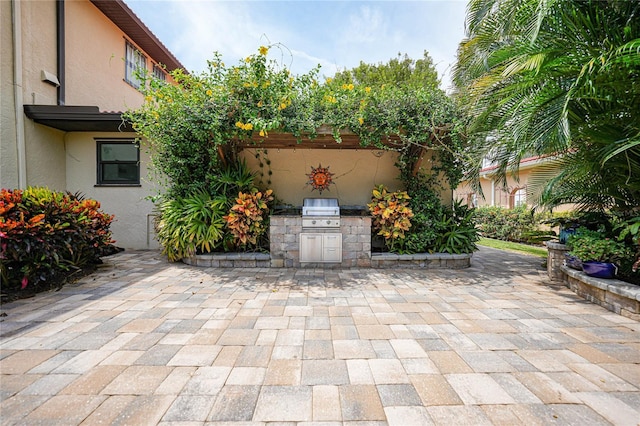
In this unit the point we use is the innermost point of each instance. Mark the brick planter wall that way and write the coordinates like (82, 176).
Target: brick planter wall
(284, 239)
(555, 260)
(615, 295)
(421, 260)
(230, 260)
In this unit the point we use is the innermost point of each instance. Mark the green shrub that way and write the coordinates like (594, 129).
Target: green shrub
(45, 233)
(195, 222)
(596, 246)
(459, 233)
(426, 223)
(519, 224)
(191, 223)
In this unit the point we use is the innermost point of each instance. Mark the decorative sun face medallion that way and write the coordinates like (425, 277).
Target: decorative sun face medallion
(320, 178)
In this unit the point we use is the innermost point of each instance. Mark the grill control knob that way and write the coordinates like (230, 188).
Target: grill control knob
(313, 222)
(328, 222)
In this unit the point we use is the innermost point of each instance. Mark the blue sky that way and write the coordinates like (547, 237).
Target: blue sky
(335, 34)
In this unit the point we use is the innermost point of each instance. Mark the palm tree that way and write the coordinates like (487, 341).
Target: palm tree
(557, 78)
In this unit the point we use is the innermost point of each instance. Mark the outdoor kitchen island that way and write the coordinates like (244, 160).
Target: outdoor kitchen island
(320, 235)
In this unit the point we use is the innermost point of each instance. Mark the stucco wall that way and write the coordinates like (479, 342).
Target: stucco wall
(38, 51)
(8, 149)
(95, 60)
(45, 149)
(356, 172)
(133, 226)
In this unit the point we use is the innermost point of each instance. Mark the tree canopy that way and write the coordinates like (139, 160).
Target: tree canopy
(399, 71)
(559, 79)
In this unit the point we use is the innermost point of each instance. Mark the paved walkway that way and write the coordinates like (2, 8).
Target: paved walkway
(146, 342)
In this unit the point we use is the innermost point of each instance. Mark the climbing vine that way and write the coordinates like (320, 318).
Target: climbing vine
(192, 127)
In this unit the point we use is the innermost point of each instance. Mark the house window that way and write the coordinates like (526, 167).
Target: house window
(159, 73)
(134, 61)
(520, 197)
(472, 199)
(118, 162)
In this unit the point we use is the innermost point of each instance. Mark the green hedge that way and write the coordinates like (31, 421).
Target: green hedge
(45, 235)
(518, 225)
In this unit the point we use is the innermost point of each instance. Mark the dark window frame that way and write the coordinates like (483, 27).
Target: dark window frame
(100, 180)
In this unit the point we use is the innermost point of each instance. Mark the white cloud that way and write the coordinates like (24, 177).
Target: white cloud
(366, 25)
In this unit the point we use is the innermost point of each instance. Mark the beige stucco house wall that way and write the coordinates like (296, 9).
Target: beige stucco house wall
(57, 147)
(508, 196)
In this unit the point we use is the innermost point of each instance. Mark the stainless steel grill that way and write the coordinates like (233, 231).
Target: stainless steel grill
(320, 213)
(320, 239)
(320, 207)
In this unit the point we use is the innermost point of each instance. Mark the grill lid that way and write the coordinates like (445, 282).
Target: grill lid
(320, 207)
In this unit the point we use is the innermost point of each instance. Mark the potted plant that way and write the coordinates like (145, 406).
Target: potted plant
(598, 253)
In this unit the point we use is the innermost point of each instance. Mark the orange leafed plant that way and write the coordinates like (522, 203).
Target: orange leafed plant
(246, 218)
(391, 214)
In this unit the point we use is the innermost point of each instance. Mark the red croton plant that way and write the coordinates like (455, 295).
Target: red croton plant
(45, 233)
(245, 221)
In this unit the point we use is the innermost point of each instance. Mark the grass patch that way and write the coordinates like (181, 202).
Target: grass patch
(514, 247)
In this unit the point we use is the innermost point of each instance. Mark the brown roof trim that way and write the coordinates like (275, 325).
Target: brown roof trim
(120, 14)
(77, 118)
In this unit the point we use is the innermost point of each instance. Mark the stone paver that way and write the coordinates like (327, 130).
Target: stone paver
(143, 341)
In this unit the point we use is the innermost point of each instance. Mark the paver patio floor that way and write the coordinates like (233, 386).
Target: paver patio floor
(143, 341)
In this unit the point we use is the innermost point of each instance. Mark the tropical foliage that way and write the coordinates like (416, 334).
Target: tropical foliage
(229, 215)
(595, 246)
(247, 218)
(190, 223)
(47, 234)
(559, 79)
(459, 232)
(391, 215)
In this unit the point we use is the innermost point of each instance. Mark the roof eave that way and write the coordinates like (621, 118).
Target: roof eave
(77, 118)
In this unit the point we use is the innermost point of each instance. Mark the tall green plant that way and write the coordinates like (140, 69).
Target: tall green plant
(232, 179)
(459, 234)
(427, 211)
(188, 224)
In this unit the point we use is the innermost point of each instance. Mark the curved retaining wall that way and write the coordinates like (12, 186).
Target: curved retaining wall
(615, 295)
